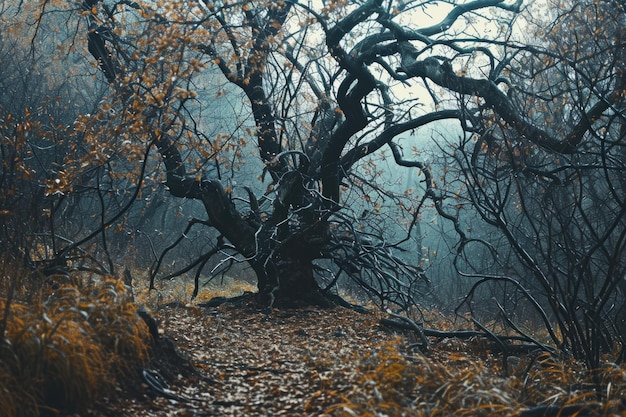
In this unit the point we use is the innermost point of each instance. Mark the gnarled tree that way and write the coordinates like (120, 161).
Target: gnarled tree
(329, 93)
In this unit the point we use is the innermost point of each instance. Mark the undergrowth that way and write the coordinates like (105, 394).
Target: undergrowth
(393, 381)
(67, 346)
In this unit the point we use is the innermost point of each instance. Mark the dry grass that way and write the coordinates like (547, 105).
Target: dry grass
(180, 289)
(65, 348)
(462, 378)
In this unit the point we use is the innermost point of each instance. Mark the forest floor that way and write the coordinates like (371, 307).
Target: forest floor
(337, 362)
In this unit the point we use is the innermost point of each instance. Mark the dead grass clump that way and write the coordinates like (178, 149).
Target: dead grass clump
(113, 318)
(66, 351)
(469, 382)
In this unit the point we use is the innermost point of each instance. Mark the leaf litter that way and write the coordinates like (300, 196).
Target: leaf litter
(336, 362)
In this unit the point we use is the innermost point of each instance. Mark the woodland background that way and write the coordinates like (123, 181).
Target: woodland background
(453, 166)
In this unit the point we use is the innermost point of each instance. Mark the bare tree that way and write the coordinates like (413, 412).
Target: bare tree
(559, 203)
(330, 95)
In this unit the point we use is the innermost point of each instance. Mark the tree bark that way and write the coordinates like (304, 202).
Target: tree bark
(295, 285)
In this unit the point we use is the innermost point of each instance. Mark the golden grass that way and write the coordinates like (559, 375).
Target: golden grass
(180, 290)
(465, 380)
(67, 349)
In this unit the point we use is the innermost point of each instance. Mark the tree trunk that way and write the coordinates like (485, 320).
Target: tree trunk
(296, 285)
(288, 282)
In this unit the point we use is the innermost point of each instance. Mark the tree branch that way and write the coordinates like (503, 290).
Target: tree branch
(441, 73)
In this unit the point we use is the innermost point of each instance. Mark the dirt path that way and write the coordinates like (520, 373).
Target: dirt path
(260, 363)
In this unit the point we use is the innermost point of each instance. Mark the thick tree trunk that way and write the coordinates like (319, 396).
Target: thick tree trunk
(288, 279)
(296, 285)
